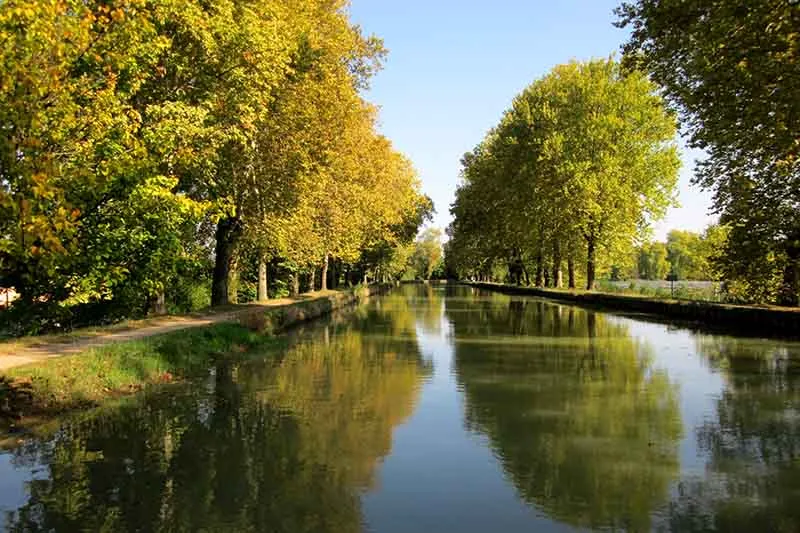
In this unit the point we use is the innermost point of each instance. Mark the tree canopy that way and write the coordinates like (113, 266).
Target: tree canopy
(148, 143)
(731, 69)
(576, 169)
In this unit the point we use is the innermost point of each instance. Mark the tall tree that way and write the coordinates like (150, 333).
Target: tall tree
(79, 188)
(427, 253)
(578, 167)
(652, 261)
(732, 70)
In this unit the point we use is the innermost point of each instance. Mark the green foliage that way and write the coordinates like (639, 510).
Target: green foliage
(731, 68)
(686, 254)
(427, 255)
(578, 167)
(683, 253)
(143, 137)
(653, 261)
(87, 378)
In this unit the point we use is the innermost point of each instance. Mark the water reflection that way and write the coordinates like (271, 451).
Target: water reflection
(536, 416)
(276, 445)
(752, 440)
(586, 429)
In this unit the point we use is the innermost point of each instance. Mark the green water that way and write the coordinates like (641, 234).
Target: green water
(440, 410)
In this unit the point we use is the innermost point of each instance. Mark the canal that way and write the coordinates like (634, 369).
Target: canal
(439, 409)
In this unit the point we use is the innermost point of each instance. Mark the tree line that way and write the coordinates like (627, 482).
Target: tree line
(686, 255)
(566, 177)
(159, 154)
(578, 166)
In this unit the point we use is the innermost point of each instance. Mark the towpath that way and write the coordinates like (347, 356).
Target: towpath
(35, 349)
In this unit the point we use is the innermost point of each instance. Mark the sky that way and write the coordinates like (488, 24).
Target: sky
(454, 67)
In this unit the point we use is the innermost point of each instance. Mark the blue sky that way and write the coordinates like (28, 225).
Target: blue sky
(454, 67)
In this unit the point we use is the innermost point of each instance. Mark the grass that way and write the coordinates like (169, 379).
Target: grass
(683, 291)
(96, 374)
(86, 379)
(11, 344)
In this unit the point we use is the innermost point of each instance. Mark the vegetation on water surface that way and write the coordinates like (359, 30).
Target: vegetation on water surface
(164, 155)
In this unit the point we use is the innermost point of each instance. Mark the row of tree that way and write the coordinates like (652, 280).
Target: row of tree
(729, 71)
(576, 169)
(685, 255)
(147, 144)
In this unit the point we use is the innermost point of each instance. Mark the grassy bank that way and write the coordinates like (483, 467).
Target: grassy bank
(87, 378)
(768, 321)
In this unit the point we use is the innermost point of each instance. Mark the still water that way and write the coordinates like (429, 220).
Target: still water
(440, 409)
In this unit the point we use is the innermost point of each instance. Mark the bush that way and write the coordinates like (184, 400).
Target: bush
(34, 318)
(189, 297)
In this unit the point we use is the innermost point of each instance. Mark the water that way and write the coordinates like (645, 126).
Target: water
(440, 410)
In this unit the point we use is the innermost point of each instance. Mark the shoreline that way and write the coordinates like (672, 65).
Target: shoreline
(775, 322)
(87, 378)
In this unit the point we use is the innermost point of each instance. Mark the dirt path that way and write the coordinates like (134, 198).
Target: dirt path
(32, 350)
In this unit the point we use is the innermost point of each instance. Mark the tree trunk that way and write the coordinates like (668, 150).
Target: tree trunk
(324, 276)
(228, 232)
(790, 290)
(295, 283)
(335, 272)
(263, 295)
(558, 278)
(590, 259)
(233, 281)
(571, 272)
(157, 304)
(312, 280)
(539, 270)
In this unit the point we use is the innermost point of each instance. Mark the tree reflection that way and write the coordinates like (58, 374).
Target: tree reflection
(583, 424)
(286, 444)
(752, 481)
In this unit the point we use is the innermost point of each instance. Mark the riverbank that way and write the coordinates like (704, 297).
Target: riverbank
(110, 366)
(769, 321)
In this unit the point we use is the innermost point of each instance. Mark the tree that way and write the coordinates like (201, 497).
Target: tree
(684, 250)
(389, 254)
(732, 70)
(145, 138)
(578, 167)
(79, 187)
(652, 261)
(427, 253)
